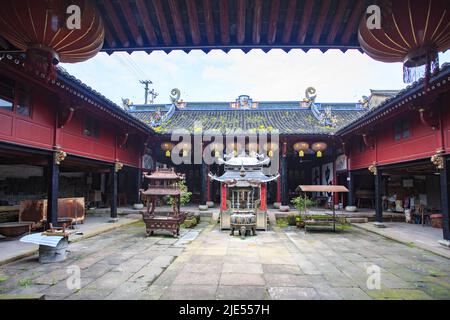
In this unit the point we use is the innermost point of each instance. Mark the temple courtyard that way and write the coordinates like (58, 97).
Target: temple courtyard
(206, 263)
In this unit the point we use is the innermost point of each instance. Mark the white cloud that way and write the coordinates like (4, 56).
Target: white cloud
(219, 76)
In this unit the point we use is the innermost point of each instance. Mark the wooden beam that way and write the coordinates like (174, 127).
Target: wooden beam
(146, 22)
(320, 21)
(240, 21)
(109, 38)
(304, 22)
(337, 19)
(273, 20)
(289, 21)
(193, 21)
(162, 22)
(131, 21)
(224, 22)
(257, 22)
(352, 21)
(209, 22)
(177, 22)
(116, 23)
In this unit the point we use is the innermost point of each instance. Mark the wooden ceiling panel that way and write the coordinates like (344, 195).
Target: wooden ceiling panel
(149, 25)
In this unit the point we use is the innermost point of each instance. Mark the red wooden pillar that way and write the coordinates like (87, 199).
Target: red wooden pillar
(279, 189)
(223, 197)
(263, 196)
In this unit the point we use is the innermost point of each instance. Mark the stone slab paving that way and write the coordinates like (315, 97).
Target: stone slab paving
(287, 264)
(207, 263)
(120, 264)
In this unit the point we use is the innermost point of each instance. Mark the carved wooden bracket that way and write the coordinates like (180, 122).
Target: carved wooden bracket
(65, 117)
(123, 139)
(60, 156)
(438, 160)
(67, 111)
(369, 141)
(373, 168)
(429, 117)
(118, 166)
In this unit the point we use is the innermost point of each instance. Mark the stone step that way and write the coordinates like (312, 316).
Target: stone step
(357, 220)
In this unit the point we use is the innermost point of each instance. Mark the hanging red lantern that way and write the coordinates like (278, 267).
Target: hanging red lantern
(52, 31)
(319, 148)
(412, 32)
(167, 148)
(301, 147)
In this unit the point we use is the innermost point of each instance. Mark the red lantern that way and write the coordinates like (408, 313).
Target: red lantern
(301, 147)
(412, 32)
(319, 148)
(47, 30)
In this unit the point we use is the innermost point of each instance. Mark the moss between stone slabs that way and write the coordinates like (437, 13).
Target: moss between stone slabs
(398, 294)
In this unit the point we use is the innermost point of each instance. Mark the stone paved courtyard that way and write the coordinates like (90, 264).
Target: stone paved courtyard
(206, 263)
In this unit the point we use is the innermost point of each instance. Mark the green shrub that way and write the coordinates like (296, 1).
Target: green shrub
(299, 202)
(185, 194)
(282, 222)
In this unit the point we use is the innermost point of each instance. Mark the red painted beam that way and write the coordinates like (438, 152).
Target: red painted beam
(304, 22)
(240, 21)
(193, 21)
(337, 19)
(131, 21)
(116, 23)
(289, 21)
(162, 22)
(273, 20)
(352, 21)
(257, 22)
(224, 22)
(177, 22)
(146, 23)
(320, 21)
(209, 22)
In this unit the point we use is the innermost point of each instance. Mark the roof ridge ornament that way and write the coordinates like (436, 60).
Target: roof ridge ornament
(244, 102)
(325, 117)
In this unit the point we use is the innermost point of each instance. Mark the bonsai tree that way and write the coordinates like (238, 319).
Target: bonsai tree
(185, 196)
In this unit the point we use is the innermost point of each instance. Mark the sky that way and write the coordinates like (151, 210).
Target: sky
(220, 76)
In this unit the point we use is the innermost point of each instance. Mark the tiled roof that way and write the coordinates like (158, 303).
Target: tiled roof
(412, 91)
(69, 79)
(287, 117)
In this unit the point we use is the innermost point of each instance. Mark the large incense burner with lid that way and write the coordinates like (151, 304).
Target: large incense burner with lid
(243, 192)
